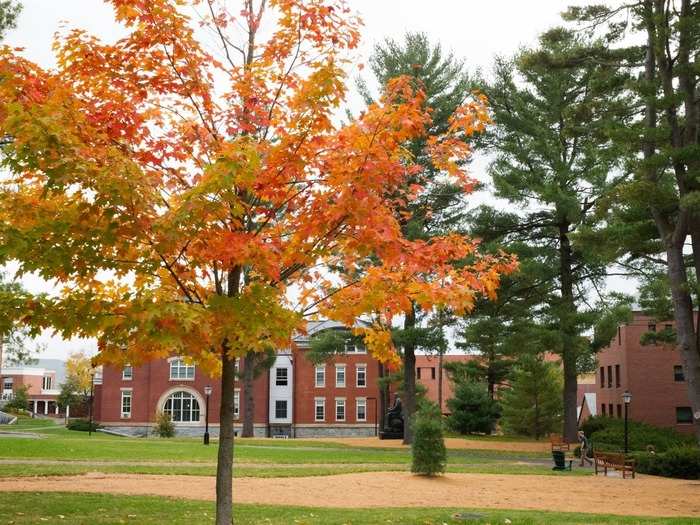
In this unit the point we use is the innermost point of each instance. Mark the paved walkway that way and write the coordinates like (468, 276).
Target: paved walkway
(644, 496)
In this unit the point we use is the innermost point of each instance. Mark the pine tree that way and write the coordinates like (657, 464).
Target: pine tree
(554, 161)
(532, 405)
(472, 410)
(428, 447)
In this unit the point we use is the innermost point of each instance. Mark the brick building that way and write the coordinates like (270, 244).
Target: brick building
(41, 383)
(295, 398)
(653, 374)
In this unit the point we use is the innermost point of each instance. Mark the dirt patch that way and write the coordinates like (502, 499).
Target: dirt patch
(454, 443)
(644, 496)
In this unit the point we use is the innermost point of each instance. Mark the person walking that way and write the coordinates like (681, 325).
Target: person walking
(585, 446)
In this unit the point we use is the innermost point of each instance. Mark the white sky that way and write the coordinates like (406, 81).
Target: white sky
(474, 30)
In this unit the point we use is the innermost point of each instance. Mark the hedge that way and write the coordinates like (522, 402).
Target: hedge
(678, 462)
(82, 425)
(608, 434)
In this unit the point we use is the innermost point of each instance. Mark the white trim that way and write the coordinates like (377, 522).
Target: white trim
(357, 375)
(344, 368)
(364, 400)
(344, 404)
(131, 377)
(122, 413)
(318, 368)
(198, 396)
(185, 365)
(322, 400)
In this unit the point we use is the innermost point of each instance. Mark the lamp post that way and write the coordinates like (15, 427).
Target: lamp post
(627, 398)
(207, 392)
(92, 398)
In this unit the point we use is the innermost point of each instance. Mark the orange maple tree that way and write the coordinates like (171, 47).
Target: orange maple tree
(176, 183)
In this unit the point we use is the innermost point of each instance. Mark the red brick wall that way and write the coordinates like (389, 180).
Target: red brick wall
(647, 373)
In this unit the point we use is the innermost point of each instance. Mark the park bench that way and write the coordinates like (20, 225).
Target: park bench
(611, 460)
(558, 443)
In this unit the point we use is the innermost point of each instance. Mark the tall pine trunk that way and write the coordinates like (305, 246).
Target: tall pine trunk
(567, 327)
(409, 380)
(249, 363)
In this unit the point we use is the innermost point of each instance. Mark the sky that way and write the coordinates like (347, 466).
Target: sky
(474, 30)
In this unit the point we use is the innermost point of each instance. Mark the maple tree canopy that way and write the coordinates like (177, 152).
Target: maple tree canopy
(175, 185)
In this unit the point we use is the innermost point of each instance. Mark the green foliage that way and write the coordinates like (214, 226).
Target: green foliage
(608, 434)
(532, 406)
(20, 399)
(68, 396)
(428, 447)
(472, 410)
(676, 462)
(326, 344)
(82, 425)
(164, 425)
(9, 11)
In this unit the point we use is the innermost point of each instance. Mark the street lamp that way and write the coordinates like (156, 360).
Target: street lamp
(627, 399)
(207, 392)
(92, 398)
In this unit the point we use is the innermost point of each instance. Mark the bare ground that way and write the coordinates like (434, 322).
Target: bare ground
(450, 443)
(644, 496)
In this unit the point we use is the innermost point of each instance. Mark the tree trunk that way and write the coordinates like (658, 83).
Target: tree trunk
(383, 400)
(224, 466)
(249, 363)
(409, 381)
(440, 382)
(567, 327)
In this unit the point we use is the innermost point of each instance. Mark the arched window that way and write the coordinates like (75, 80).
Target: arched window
(182, 407)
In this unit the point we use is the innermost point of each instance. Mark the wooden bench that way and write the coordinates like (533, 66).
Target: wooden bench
(558, 443)
(615, 461)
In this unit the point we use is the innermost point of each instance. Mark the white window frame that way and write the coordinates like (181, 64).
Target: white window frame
(358, 367)
(126, 393)
(286, 410)
(319, 402)
(277, 376)
(192, 397)
(130, 376)
(237, 403)
(340, 401)
(338, 368)
(322, 370)
(178, 363)
(46, 383)
(8, 381)
(355, 348)
(360, 402)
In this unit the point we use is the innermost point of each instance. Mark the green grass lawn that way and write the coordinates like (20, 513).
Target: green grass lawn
(270, 458)
(54, 508)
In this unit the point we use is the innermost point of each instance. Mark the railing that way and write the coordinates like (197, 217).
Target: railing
(6, 419)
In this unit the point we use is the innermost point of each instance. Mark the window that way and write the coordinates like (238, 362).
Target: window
(617, 376)
(126, 404)
(320, 409)
(619, 410)
(181, 370)
(7, 383)
(432, 373)
(361, 372)
(602, 377)
(652, 327)
(182, 407)
(237, 366)
(281, 409)
(320, 376)
(610, 409)
(668, 327)
(339, 375)
(354, 347)
(361, 409)
(684, 415)
(602, 408)
(127, 373)
(46, 383)
(339, 409)
(281, 377)
(236, 404)
(609, 376)
(418, 373)
(678, 374)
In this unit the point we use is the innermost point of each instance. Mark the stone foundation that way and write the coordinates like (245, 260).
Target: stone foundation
(333, 431)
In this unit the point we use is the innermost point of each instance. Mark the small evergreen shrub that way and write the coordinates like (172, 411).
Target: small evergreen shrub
(20, 400)
(82, 425)
(608, 434)
(164, 425)
(428, 448)
(677, 462)
(472, 410)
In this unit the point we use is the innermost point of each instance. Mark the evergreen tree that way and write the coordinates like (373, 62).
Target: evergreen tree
(532, 406)
(428, 447)
(446, 84)
(9, 11)
(472, 410)
(554, 161)
(663, 145)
